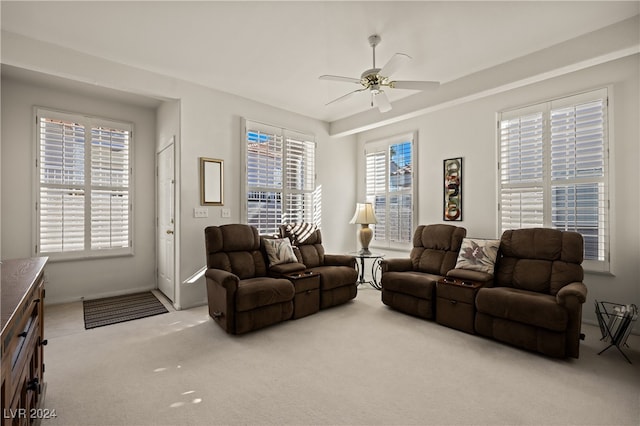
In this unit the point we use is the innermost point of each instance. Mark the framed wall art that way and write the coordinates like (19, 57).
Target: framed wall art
(211, 182)
(452, 208)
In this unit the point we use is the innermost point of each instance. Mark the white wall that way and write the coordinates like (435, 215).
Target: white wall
(469, 131)
(207, 124)
(71, 280)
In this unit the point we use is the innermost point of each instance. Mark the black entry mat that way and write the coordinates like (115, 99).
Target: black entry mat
(112, 310)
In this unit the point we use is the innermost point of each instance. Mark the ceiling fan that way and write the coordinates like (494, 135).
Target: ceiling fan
(375, 79)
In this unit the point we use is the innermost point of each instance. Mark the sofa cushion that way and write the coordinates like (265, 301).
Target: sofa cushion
(244, 264)
(435, 248)
(536, 309)
(279, 251)
(235, 248)
(417, 284)
(539, 259)
(525, 274)
(478, 255)
(336, 276)
(312, 255)
(263, 291)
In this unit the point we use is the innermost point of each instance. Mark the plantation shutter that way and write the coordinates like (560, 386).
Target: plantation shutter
(553, 170)
(62, 192)
(300, 179)
(578, 172)
(83, 192)
(400, 171)
(376, 187)
(521, 172)
(109, 188)
(280, 178)
(389, 186)
(264, 179)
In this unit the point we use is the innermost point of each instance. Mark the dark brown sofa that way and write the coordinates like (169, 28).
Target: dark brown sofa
(408, 285)
(338, 276)
(241, 294)
(537, 295)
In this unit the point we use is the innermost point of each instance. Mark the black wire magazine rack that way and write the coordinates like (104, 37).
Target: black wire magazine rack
(616, 322)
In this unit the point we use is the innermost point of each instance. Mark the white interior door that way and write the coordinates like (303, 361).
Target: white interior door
(166, 221)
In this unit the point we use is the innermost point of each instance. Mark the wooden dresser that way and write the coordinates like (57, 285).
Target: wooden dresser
(22, 340)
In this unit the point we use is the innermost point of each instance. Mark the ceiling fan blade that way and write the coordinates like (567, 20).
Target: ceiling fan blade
(414, 85)
(339, 78)
(343, 97)
(395, 63)
(381, 101)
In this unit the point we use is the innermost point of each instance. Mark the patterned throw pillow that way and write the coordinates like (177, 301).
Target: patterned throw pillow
(478, 255)
(279, 251)
(301, 231)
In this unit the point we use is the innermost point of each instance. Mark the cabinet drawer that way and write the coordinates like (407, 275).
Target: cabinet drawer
(455, 314)
(24, 340)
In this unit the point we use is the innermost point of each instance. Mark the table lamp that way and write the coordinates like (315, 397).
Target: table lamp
(364, 216)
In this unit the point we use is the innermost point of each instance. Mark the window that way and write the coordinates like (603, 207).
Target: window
(553, 170)
(84, 201)
(390, 183)
(280, 178)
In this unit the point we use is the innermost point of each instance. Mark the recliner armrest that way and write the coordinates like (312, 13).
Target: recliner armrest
(286, 268)
(396, 265)
(224, 278)
(470, 275)
(339, 260)
(576, 289)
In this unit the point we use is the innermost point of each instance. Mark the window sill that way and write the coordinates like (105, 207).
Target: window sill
(56, 257)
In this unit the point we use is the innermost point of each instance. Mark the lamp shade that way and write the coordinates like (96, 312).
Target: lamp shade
(364, 214)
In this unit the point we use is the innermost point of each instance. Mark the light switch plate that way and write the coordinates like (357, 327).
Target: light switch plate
(200, 212)
(225, 212)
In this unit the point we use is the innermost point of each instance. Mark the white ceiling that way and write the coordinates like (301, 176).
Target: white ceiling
(273, 52)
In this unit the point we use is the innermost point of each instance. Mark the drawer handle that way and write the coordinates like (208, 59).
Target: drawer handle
(217, 314)
(453, 302)
(23, 334)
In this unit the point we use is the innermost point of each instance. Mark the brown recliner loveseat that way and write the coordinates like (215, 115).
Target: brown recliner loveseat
(408, 285)
(537, 295)
(241, 294)
(338, 276)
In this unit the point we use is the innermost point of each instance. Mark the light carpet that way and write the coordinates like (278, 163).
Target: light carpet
(360, 363)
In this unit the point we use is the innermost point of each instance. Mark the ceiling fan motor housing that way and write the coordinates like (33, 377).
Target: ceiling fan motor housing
(372, 80)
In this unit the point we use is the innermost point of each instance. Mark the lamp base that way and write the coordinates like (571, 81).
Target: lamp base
(365, 234)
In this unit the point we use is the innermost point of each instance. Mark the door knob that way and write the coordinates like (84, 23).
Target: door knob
(169, 231)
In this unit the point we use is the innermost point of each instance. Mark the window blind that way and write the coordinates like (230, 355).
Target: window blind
(376, 187)
(389, 185)
(61, 204)
(109, 183)
(280, 178)
(521, 158)
(578, 159)
(83, 193)
(553, 170)
(265, 160)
